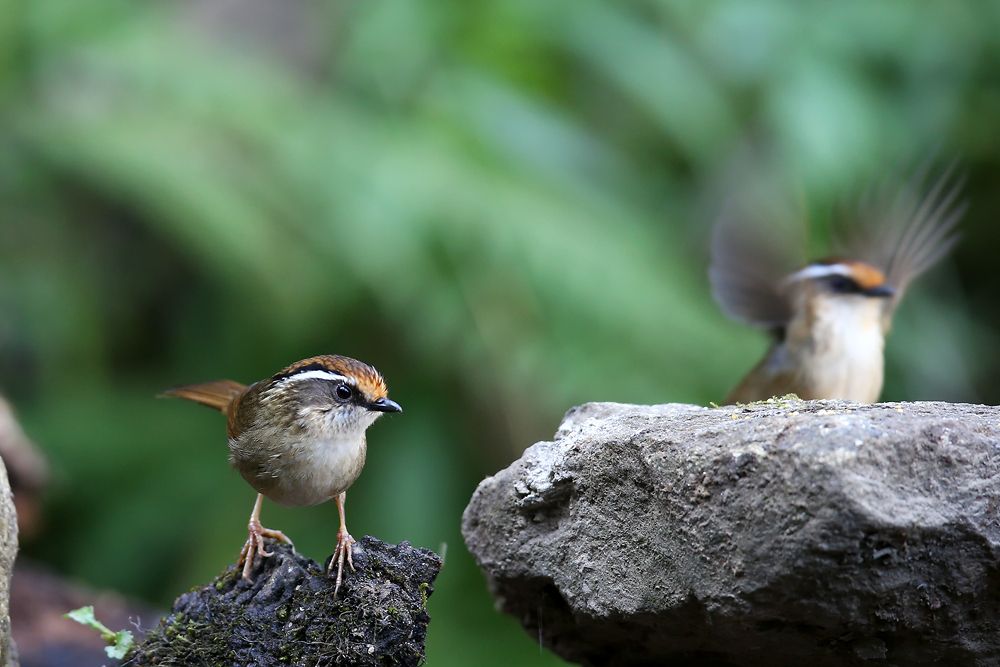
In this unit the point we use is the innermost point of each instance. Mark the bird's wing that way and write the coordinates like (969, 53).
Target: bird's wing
(754, 247)
(906, 226)
(771, 377)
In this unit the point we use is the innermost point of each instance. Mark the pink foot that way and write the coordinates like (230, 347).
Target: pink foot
(255, 545)
(340, 554)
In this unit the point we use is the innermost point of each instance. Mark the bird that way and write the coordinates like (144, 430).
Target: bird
(828, 318)
(298, 438)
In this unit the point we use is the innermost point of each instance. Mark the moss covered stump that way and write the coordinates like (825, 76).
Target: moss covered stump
(287, 614)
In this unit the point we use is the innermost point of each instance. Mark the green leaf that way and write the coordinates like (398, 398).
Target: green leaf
(119, 642)
(122, 643)
(85, 616)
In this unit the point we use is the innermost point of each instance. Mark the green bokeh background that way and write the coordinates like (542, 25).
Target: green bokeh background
(503, 206)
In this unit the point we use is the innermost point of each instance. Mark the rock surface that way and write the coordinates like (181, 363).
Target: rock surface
(287, 615)
(8, 552)
(783, 532)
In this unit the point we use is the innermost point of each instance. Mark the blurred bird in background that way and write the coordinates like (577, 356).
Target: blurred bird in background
(829, 318)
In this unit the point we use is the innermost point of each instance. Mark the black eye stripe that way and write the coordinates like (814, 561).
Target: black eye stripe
(843, 284)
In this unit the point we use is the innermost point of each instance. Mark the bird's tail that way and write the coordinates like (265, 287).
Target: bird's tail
(218, 394)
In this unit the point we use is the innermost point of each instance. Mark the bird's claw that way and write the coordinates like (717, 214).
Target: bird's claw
(341, 553)
(254, 545)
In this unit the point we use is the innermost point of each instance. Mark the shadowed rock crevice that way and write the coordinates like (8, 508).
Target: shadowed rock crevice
(782, 532)
(287, 614)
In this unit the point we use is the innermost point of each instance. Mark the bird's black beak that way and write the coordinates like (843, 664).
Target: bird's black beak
(384, 405)
(880, 291)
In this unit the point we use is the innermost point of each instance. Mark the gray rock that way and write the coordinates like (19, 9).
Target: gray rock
(8, 552)
(784, 532)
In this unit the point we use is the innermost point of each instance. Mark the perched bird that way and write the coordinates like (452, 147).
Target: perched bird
(298, 438)
(829, 318)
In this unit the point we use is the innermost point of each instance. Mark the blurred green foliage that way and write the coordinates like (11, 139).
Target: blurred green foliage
(503, 206)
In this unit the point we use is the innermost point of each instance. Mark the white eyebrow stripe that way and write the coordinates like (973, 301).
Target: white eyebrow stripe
(315, 375)
(819, 271)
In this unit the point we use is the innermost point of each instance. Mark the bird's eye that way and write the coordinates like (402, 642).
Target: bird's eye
(344, 392)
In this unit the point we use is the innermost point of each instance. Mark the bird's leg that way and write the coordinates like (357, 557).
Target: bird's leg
(344, 542)
(255, 540)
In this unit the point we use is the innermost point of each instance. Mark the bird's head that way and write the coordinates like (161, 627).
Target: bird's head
(836, 278)
(846, 289)
(337, 393)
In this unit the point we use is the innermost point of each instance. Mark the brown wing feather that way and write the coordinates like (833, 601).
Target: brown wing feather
(768, 378)
(218, 394)
(758, 239)
(754, 247)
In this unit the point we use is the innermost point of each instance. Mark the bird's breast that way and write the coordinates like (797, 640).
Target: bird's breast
(297, 469)
(845, 360)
